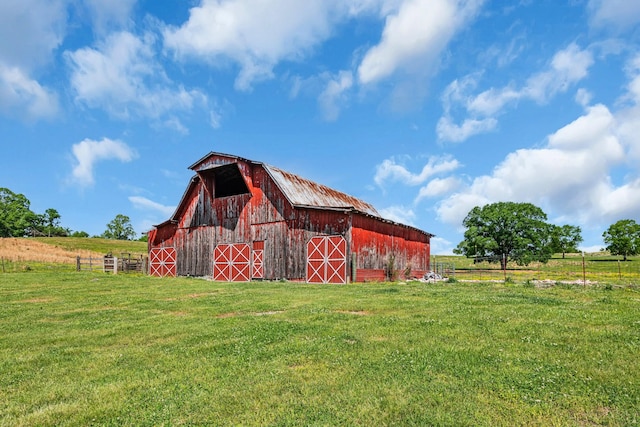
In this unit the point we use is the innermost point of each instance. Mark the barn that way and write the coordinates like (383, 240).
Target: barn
(242, 220)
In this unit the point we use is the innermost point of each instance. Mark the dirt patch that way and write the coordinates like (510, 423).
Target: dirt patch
(21, 250)
(268, 313)
(355, 313)
(227, 315)
(37, 300)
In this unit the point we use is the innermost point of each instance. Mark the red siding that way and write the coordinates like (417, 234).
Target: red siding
(265, 214)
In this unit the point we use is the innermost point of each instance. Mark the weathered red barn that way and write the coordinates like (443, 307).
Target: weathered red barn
(241, 220)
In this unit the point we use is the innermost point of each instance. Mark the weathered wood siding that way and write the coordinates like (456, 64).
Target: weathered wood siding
(266, 215)
(380, 245)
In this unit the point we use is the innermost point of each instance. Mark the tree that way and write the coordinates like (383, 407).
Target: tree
(51, 223)
(120, 228)
(16, 217)
(565, 239)
(507, 231)
(623, 238)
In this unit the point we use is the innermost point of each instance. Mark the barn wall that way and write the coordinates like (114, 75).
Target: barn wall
(266, 215)
(381, 245)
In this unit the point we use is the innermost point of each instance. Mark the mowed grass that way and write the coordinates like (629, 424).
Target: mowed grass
(98, 349)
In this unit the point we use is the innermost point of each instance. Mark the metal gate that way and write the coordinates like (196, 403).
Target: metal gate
(327, 259)
(232, 262)
(162, 262)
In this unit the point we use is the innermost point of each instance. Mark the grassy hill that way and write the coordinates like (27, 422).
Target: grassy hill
(17, 254)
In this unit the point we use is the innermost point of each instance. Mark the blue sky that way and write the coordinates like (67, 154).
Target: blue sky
(424, 108)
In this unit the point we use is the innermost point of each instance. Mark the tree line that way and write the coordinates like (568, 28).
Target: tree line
(519, 232)
(18, 220)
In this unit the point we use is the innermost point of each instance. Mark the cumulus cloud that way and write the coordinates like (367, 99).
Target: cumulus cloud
(438, 187)
(145, 204)
(255, 35)
(123, 77)
(567, 67)
(23, 97)
(109, 14)
(399, 214)
(570, 175)
(614, 15)
(414, 36)
(88, 152)
(29, 39)
(333, 97)
(390, 170)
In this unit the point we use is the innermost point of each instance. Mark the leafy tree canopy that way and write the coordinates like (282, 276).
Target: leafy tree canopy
(623, 238)
(565, 239)
(507, 231)
(120, 228)
(16, 217)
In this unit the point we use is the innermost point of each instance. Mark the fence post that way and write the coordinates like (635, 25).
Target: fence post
(504, 266)
(619, 272)
(115, 265)
(584, 272)
(78, 263)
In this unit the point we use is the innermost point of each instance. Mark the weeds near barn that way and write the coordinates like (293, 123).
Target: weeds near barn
(83, 348)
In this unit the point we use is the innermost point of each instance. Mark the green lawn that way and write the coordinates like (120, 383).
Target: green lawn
(97, 349)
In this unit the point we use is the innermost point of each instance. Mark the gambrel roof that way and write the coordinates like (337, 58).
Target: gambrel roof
(300, 192)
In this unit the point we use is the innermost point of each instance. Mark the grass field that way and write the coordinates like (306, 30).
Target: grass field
(59, 253)
(98, 349)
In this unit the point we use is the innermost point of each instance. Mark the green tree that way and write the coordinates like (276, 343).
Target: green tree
(623, 238)
(506, 231)
(120, 228)
(565, 239)
(16, 217)
(51, 223)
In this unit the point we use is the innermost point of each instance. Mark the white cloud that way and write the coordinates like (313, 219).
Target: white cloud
(143, 203)
(256, 35)
(440, 246)
(567, 67)
(447, 130)
(614, 15)
(23, 97)
(123, 77)
(108, 14)
(31, 30)
(88, 152)
(391, 171)
(570, 175)
(438, 187)
(333, 98)
(414, 36)
(399, 214)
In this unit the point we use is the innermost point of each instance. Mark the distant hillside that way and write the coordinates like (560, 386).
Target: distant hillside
(64, 249)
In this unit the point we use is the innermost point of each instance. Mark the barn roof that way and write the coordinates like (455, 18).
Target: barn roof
(300, 192)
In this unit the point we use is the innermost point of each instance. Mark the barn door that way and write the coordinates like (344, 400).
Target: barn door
(232, 262)
(327, 259)
(257, 259)
(162, 262)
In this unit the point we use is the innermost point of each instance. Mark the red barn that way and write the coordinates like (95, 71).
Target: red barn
(242, 220)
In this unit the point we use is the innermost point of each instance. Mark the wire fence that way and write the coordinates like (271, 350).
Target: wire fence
(572, 270)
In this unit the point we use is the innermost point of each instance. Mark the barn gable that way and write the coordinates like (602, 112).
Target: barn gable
(256, 221)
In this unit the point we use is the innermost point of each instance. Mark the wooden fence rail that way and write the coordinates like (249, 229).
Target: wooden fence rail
(113, 264)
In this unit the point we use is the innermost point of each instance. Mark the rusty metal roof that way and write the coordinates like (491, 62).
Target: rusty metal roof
(302, 192)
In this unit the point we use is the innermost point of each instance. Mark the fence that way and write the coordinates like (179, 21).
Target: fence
(110, 264)
(574, 269)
